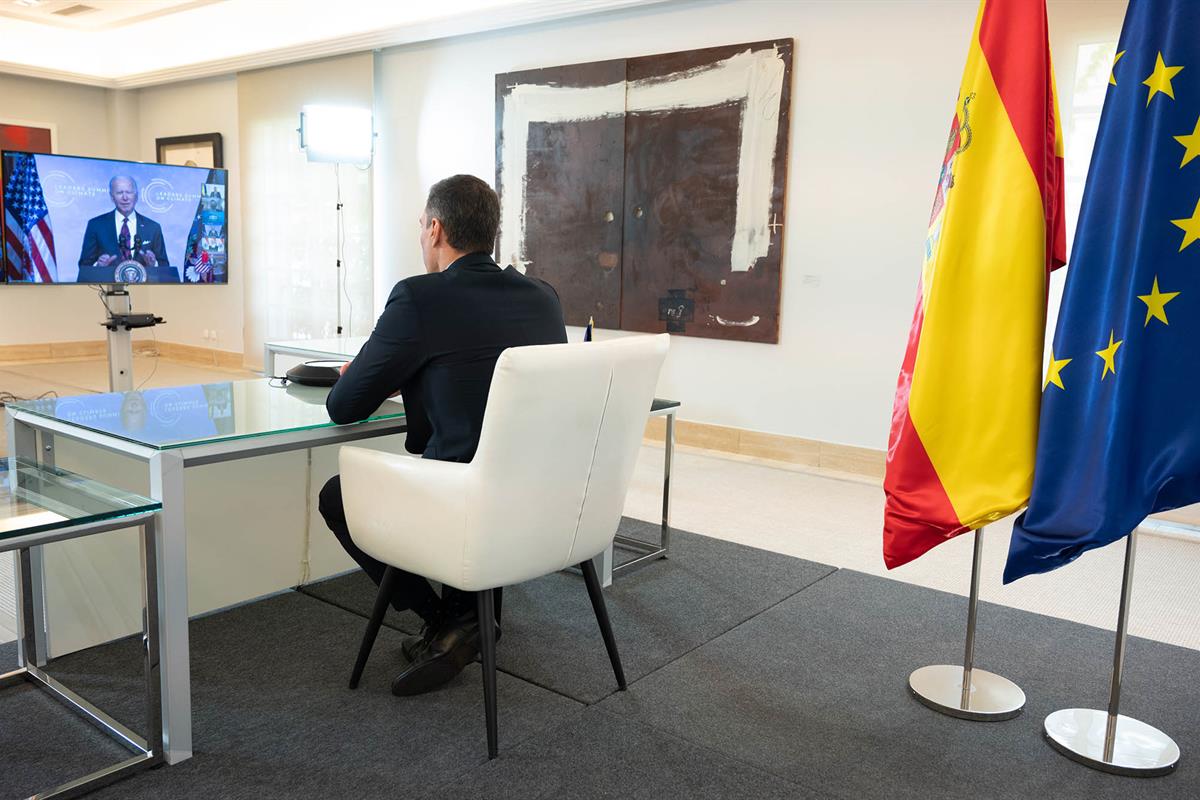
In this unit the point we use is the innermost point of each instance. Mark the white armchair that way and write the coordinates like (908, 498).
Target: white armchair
(545, 490)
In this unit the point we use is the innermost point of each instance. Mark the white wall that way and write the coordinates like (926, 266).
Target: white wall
(874, 84)
(124, 124)
(208, 106)
(289, 220)
(870, 108)
(39, 314)
(873, 88)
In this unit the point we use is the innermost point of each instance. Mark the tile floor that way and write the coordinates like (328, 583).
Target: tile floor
(832, 518)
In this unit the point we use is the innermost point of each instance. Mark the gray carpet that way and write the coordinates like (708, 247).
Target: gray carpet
(758, 676)
(659, 611)
(599, 756)
(814, 690)
(273, 716)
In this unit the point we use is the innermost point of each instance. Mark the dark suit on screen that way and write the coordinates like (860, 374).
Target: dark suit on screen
(437, 343)
(100, 239)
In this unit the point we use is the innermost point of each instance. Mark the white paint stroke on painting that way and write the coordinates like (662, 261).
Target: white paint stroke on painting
(752, 78)
(737, 323)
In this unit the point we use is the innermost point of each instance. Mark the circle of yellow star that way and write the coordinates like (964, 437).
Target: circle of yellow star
(1160, 79)
(1190, 226)
(1054, 371)
(1156, 303)
(1112, 73)
(1191, 143)
(1109, 354)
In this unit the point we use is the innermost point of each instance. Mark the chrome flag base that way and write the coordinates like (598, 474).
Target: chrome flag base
(991, 698)
(1138, 749)
(1108, 740)
(963, 691)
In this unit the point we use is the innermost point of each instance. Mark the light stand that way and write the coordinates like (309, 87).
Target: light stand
(120, 323)
(1109, 741)
(966, 692)
(338, 135)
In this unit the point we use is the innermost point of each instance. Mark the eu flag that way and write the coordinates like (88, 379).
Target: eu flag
(1119, 431)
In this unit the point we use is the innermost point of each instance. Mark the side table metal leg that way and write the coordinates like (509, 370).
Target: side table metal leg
(151, 633)
(268, 361)
(166, 485)
(27, 630)
(604, 566)
(29, 569)
(668, 457)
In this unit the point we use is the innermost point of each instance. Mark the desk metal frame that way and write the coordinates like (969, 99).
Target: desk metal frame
(647, 551)
(31, 437)
(148, 752)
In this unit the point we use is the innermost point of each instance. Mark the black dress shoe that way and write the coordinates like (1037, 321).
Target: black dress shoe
(452, 647)
(411, 646)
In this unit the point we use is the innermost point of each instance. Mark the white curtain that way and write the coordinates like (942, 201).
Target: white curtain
(289, 222)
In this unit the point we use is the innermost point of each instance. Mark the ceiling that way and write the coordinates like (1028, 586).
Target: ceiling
(132, 43)
(93, 15)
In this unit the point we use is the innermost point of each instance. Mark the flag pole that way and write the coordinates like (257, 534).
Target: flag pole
(966, 692)
(1106, 740)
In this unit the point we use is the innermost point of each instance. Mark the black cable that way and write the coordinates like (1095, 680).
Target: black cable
(9, 397)
(157, 356)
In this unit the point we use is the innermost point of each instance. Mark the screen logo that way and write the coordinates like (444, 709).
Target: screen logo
(159, 195)
(61, 190)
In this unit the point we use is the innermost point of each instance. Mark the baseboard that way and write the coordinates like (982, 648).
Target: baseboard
(190, 354)
(772, 446)
(52, 351)
(66, 351)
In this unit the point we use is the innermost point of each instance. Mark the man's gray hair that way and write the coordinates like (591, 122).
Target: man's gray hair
(116, 178)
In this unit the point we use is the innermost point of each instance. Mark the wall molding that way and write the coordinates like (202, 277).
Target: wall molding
(812, 453)
(89, 351)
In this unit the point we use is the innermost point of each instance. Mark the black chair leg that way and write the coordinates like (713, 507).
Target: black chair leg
(597, 596)
(486, 605)
(387, 587)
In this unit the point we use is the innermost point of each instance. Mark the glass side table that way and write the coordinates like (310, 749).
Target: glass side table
(39, 505)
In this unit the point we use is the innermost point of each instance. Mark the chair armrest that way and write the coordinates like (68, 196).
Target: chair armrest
(407, 512)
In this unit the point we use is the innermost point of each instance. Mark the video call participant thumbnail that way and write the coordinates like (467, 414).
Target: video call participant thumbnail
(123, 235)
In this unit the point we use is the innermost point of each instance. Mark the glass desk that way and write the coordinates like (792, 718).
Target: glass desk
(40, 505)
(344, 348)
(170, 430)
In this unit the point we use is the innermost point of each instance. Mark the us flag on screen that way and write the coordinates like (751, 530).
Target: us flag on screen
(201, 265)
(28, 237)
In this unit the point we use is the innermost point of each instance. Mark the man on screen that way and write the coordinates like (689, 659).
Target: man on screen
(123, 235)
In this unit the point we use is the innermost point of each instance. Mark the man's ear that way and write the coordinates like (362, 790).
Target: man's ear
(437, 235)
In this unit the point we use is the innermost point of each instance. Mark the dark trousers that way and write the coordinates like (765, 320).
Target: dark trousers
(412, 591)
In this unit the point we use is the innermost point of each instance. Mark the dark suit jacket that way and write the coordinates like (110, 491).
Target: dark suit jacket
(437, 342)
(100, 238)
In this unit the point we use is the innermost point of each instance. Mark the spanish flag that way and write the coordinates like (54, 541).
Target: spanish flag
(964, 423)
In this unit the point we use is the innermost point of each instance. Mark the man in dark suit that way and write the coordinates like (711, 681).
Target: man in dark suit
(122, 235)
(436, 343)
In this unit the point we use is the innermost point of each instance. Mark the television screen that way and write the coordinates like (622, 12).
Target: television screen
(69, 219)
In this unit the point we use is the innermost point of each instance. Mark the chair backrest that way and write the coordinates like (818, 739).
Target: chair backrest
(556, 455)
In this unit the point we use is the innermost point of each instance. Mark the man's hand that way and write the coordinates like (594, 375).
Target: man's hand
(149, 259)
(105, 260)
(344, 367)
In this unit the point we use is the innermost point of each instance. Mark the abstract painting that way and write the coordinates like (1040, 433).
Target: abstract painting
(650, 191)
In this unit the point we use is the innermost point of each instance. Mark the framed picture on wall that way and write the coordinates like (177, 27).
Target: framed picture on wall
(29, 137)
(197, 150)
